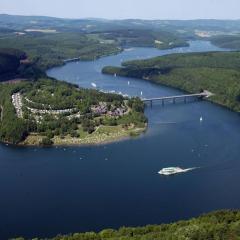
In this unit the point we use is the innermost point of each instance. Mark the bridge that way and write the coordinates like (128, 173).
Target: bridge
(204, 94)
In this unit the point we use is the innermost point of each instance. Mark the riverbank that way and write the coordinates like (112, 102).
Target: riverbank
(102, 135)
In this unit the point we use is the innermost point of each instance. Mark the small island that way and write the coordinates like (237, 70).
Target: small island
(47, 111)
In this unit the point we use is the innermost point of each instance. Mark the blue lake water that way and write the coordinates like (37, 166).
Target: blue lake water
(46, 191)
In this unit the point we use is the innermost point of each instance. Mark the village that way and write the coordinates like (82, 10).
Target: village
(19, 102)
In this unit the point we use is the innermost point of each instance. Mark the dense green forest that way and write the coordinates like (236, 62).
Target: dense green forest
(227, 41)
(220, 225)
(9, 62)
(12, 129)
(217, 72)
(51, 49)
(135, 32)
(48, 50)
(49, 41)
(11, 66)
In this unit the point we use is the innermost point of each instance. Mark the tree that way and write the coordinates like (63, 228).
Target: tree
(46, 142)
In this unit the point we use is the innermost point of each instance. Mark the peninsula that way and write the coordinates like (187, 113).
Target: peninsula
(48, 111)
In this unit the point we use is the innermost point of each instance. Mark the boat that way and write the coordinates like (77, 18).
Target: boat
(173, 170)
(201, 119)
(128, 49)
(94, 85)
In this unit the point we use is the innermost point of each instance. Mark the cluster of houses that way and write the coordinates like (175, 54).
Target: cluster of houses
(117, 112)
(48, 109)
(43, 105)
(102, 109)
(17, 103)
(53, 112)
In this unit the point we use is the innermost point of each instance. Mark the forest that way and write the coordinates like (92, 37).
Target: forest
(48, 41)
(12, 129)
(217, 72)
(12, 66)
(144, 38)
(227, 41)
(220, 225)
(46, 50)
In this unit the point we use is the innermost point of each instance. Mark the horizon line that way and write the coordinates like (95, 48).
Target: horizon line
(122, 19)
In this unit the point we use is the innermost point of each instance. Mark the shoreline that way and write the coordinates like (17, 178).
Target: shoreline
(209, 100)
(137, 132)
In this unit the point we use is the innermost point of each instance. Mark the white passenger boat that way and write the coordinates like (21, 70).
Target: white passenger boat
(173, 170)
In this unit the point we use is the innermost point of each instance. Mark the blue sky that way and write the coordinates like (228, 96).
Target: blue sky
(121, 9)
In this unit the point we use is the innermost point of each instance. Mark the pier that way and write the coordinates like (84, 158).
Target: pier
(184, 97)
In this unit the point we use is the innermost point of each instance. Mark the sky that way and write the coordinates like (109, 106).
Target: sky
(125, 9)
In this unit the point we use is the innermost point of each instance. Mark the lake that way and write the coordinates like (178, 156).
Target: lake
(46, 191)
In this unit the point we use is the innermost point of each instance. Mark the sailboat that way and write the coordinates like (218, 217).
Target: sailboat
(94, 85)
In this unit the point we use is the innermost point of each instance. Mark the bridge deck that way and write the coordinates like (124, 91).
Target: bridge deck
(203, 94)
